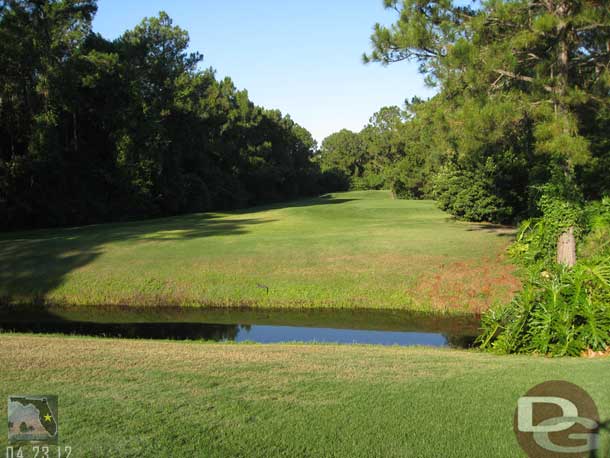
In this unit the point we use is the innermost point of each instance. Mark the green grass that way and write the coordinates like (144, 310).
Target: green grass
(164, 399)
(357, 249)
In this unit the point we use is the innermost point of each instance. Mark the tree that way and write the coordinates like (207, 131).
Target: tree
(95, 130)
(382, 137)
(345, 151)
(37, 40)
(549, 58)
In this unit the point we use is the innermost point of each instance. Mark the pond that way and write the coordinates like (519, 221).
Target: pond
(256, 325)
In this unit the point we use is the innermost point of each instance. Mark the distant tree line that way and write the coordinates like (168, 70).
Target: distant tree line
(523, 102)
(398, 150)
(95, 130)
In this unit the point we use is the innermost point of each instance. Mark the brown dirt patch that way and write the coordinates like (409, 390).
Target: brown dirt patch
(468, 285)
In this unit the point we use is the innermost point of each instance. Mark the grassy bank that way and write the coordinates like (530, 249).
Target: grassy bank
(165, 399)
(357, 249)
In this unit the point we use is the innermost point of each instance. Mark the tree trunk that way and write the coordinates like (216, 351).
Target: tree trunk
(566, 245)
(566, 248)
(74, 132)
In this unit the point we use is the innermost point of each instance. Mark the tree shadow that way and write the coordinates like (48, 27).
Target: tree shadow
(37, 261)
(326, 199)
(496, 229)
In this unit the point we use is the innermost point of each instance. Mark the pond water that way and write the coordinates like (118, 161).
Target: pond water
(265, 326)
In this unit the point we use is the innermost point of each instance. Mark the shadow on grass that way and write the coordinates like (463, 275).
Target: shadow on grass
(497, 229)
(35, 262)
(325, 199)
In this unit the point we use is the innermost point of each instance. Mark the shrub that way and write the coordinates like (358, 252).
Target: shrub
(333, 180)
(367, 181)
(559, 313)
(596, 242)
(469, 194)
(560, 207)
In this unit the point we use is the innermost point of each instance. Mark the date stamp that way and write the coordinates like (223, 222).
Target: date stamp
(38, 451)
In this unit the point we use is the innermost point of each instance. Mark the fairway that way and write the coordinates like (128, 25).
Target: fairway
(351, 250)
(134, 398)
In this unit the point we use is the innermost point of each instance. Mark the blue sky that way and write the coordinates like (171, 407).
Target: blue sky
(303, 58)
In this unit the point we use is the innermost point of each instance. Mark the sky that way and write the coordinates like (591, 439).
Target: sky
(303, 58)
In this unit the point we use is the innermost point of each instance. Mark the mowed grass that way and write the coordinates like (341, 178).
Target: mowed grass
(356, 249)
(133, 398)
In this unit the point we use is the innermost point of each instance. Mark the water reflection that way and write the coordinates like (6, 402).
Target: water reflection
(363, 327)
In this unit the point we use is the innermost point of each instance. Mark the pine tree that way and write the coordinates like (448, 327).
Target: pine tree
(551, 56)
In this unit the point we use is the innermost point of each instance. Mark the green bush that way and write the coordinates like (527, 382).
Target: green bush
(333, 180)
(596, 242)
(560, 311)
(368, 181)
(560, 207)
(469, 194)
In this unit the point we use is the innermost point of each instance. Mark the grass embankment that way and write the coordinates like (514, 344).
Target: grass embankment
(357, 249)
(133, 398)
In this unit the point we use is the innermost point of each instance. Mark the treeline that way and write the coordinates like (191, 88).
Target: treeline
(95, 130)
(523, 102)
(479, 161)
(398, 150)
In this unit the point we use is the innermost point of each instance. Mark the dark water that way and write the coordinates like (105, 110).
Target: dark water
(267, 326)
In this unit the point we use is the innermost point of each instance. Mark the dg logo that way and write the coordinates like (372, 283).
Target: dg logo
(557, 418)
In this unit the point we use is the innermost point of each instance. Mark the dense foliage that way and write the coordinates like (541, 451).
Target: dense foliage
(561, 311)
(93, 130)
(523, 91)
(396, 150)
